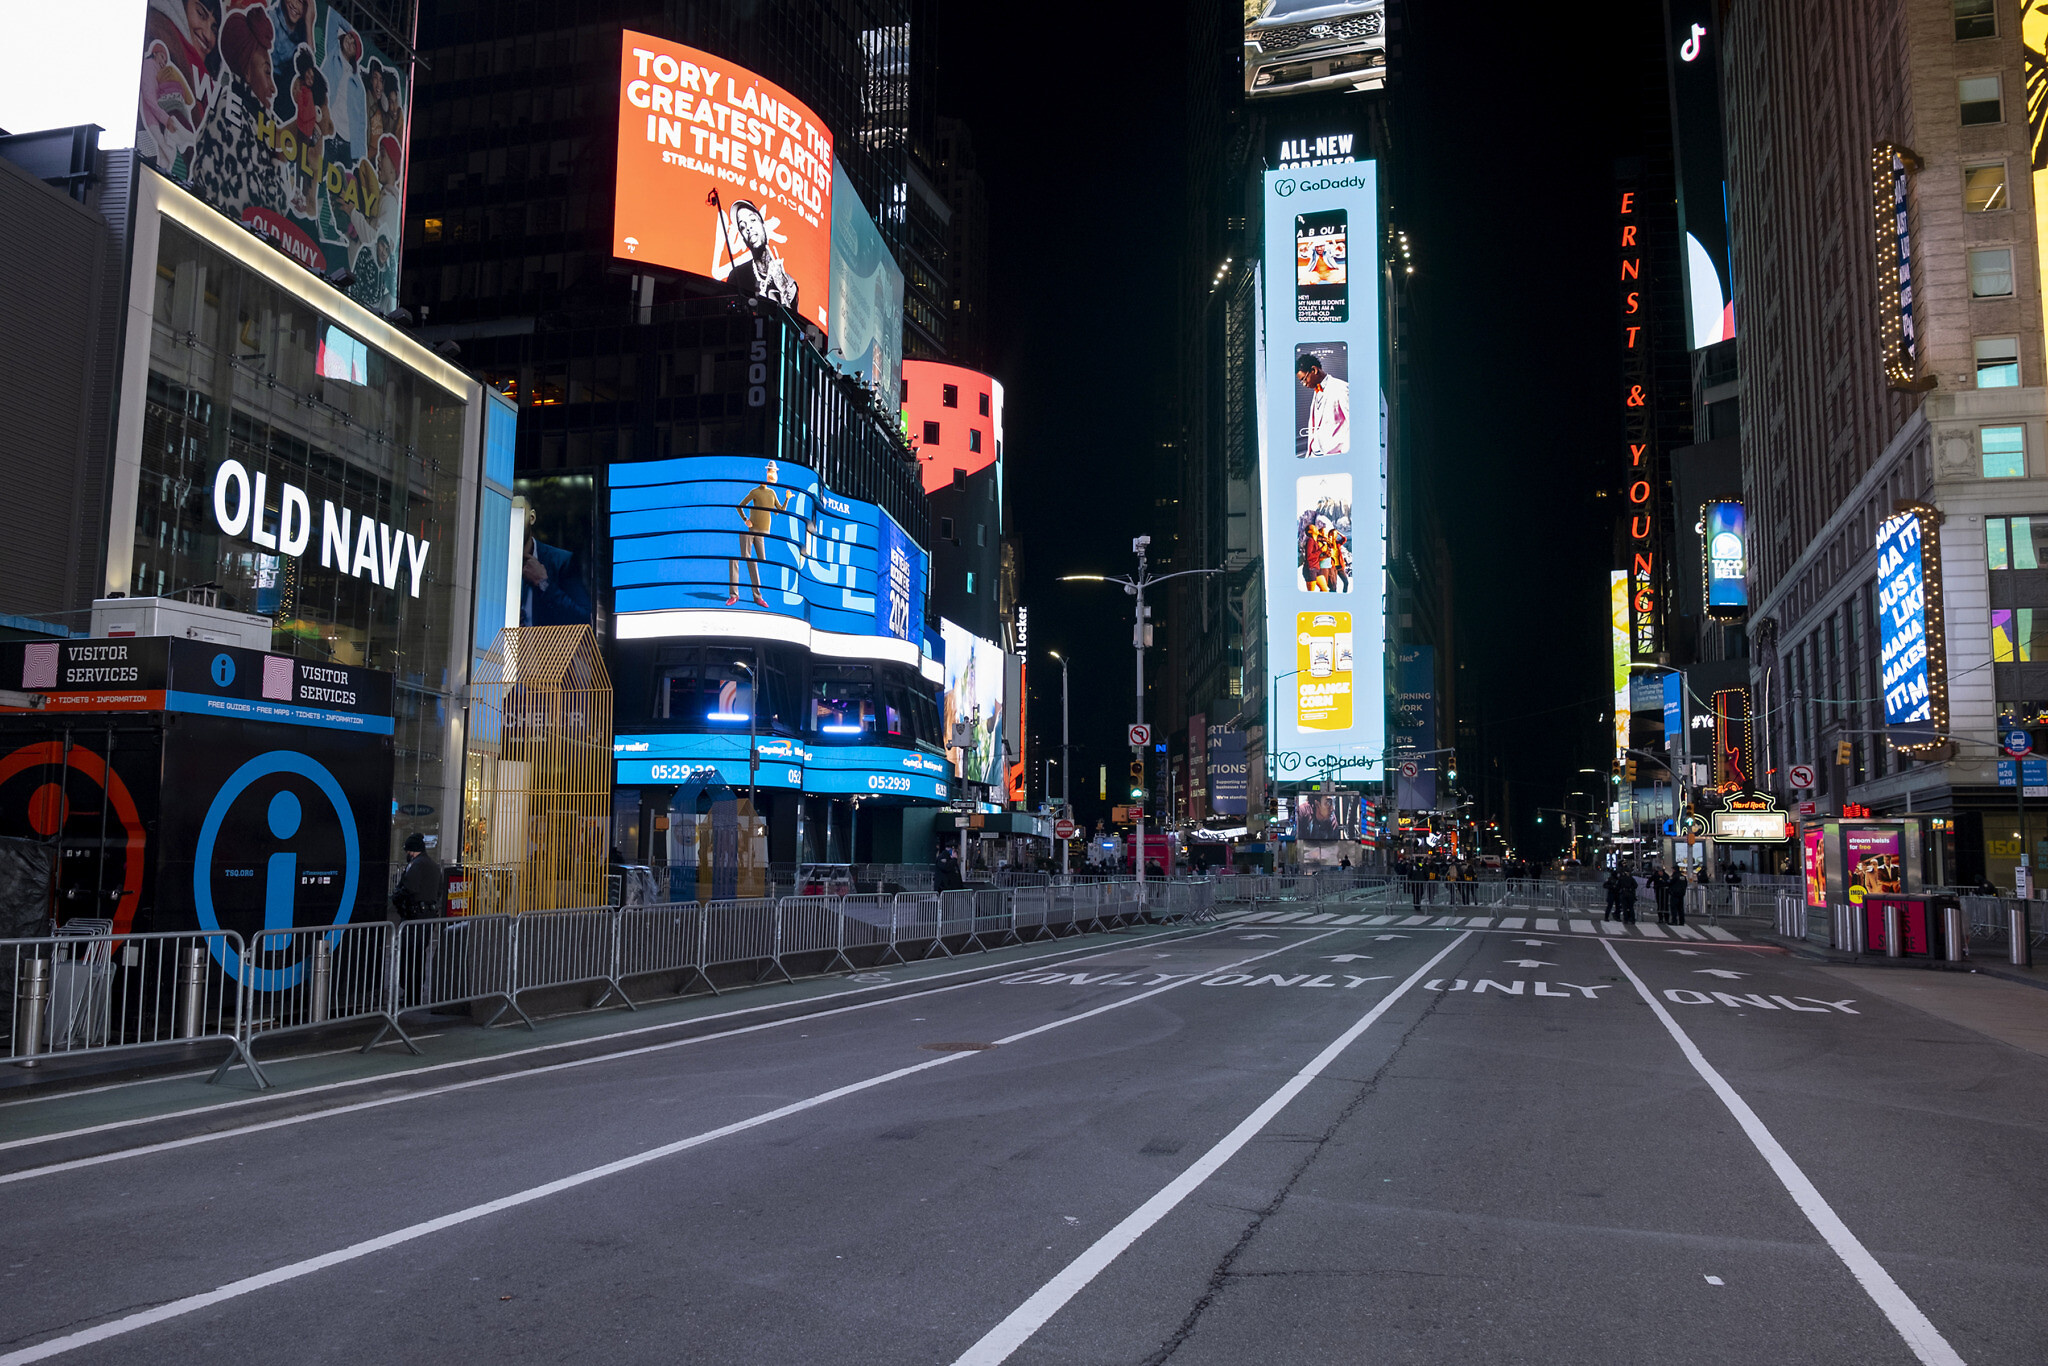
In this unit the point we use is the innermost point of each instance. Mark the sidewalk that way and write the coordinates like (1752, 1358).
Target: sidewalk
(1980, 963)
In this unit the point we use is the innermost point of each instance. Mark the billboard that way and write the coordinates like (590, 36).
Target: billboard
(954, 418)
(877, 770)
(287, 118)
(867, 294)
(1324, 530)
(737, 545)
(975, 670)
(1724, 542)
(1617, 601)
(1415, 724)
(722, 175)
(1298, 47)
(1907, 652)
(1693, 59)
(1229, 772)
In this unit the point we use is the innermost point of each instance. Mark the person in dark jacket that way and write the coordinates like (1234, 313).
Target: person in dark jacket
(421, 886)
(1613, 885)
(1628, 899)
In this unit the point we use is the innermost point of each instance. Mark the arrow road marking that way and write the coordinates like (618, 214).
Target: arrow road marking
(1689, 953)
(1534, 943)
(1719, 972)
(1383, 938)
(1526, 963)
(1258, 936)
(1347, 957)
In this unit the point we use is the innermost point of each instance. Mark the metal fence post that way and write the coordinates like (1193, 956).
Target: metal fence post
(2019, 932)
(1955, 933)
(1894, 941)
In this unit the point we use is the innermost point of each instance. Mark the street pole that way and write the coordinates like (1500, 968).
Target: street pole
(753, 750)
(1066, 773)
(1138, 645)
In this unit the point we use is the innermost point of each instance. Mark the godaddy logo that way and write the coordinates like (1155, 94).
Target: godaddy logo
(1284, 187)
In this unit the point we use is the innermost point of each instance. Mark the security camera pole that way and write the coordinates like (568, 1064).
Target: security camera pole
(1140, 637)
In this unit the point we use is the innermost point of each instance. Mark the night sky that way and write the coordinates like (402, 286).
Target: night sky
(1516, 128)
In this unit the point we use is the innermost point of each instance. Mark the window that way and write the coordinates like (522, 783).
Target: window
(1979, 98)
(949, 395)
(675, 683)
(1975, 19)
(2019, 635)
(945, 528)
(906, 391)
(931, 429)
(1990, 273)
(959, 479)
(1984, 188)
(984, 405)
(974, 438)
(843, 702)
(1998, 363)
(981, 533)
(970, 580)
(2016, 542)
(2004, 450)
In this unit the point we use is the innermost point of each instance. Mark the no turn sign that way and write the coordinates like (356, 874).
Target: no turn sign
(1801, 775)
(1410, 769)
(1141, 736)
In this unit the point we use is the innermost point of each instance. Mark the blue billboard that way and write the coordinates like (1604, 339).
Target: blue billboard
(739, 545)
(1415, 726)
(1902, 624)
(1321, 453)
(1725, 539)
(841, 770)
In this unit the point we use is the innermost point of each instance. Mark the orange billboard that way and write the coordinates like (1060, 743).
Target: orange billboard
(723, 175)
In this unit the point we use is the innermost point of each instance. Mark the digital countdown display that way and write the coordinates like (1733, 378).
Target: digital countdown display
(722, 174)
(1321, 457)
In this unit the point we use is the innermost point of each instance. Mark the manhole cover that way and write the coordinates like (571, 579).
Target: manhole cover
(956, 1047)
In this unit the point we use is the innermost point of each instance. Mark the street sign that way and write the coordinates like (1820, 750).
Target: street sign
(2018, 742)
(1410, 769)
(1141, 735)
(1064, 829)
(1809, 808)
(1801, 775)
(2033, 772)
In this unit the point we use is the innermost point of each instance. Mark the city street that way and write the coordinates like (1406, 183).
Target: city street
(1246, 1141)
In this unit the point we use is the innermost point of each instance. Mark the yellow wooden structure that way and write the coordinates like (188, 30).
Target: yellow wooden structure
(538, 814)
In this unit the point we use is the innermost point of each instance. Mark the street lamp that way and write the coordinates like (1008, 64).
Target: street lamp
(1066, 795)
(753, 749)
(1135, 588)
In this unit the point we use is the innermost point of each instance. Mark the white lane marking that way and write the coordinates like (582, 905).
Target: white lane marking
(1716, 932)
(1606, 927)
(1649, 931)
(1349, 919)
(1920, 1334)
(208, 1109)
(1544, 926)
(1014, 1331)
(1514, 922)
(1715, 1280)
(1583, 926)
(296, 1270)
(1686, 932)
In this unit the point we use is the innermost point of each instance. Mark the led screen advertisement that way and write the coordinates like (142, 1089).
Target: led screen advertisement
(1617, 603)
(288, 118)
(1321, 473)
(723, 175)
(1724, 541)
(867, 294)
(739, 545)
(975, 670)
(1298, 47)
(1906, 656)
(873, 770)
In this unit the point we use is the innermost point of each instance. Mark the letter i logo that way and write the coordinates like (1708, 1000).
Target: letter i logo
(283, 872)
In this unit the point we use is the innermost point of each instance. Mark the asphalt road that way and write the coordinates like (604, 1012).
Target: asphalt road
(1236, 1144)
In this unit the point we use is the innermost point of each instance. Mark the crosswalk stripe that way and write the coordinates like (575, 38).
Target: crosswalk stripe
(1349, 919)
(1716, 932)
(1582, 927)
(1416, 920)
(1686, 932)
(1383, 920)
(1652, 932)
(1479, 922)
(1319, 919)
(1547, 926)
(1450, 920)
(1514, 922)
(1613, 927)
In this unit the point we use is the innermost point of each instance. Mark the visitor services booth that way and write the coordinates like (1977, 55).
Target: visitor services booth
(169, 784)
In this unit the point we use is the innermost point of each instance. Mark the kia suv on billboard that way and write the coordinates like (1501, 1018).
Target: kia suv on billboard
(1292, 47)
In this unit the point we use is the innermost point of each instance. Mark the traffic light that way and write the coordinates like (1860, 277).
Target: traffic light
(1631, 773)
(1845, 751)
(1137, 771)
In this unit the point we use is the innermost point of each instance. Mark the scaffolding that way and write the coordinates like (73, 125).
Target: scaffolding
(537, 822)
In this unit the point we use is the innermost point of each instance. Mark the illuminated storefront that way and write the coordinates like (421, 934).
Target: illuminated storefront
(284, 449)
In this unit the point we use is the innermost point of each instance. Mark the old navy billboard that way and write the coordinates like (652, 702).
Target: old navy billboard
(738, 545)
(1320, 466)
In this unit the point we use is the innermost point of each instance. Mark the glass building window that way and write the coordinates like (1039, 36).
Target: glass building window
(931, 429)
(2004, 451)
(2019, 635)
(970, 580)
(843, 702)
(1984, 188)
(1998, 362)
(949, 395)
(1979, 98)
(974, 438)
(1990, 273)
(2016, 542)
(984, 405)
(1975, 19)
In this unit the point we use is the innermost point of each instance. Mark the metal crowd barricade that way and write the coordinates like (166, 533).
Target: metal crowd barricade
(117, 992)
(462, 959)
(313, 976)
(810, 924)
(565, 949)
(1031, 909)
(955, 918)
(992, 916)
(743, 930)
(664, 937)
(916, 920)
(866, 920)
